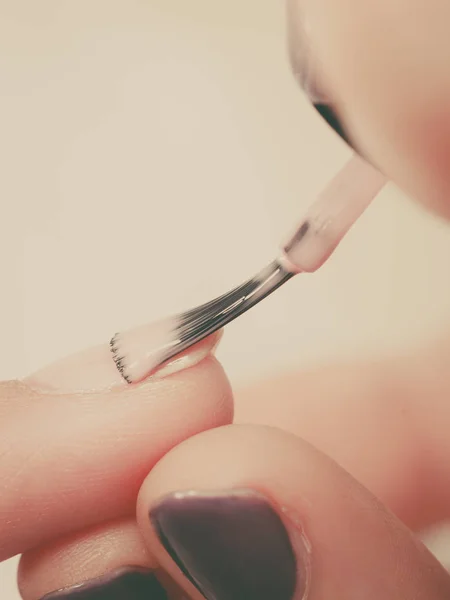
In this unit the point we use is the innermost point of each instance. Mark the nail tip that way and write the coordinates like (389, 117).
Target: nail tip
(132, 583)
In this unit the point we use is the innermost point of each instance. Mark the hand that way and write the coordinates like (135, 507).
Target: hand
(384, 66)
(76, 443)
(73, 462)
(385, 421)
(74, 465)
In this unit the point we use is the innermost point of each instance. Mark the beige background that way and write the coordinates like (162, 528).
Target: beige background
(153, 152)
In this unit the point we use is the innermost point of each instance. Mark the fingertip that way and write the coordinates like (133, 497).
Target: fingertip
(384, 66)
(99, 448)
(230, 497)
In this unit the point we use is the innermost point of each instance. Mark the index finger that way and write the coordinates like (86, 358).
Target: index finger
(71, 460)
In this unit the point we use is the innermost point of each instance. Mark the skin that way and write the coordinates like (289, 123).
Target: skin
(390, 83)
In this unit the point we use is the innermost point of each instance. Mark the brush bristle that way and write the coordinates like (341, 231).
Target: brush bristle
(140, 352)
(117, 358)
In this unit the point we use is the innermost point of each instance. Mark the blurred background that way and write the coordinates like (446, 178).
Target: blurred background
(153, 153)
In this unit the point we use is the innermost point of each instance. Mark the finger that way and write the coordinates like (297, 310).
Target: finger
(86, 556)
(71, 460)
(385, 422)
(252, 512)
(384, 65)
(108, 561)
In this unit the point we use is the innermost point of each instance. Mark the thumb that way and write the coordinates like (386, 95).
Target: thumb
(254, 513)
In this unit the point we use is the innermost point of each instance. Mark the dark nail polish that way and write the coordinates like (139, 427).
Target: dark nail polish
(231, 546)
(124, 584)
(329, 114)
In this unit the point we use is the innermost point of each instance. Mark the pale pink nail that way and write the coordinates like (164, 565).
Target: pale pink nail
(94, 369)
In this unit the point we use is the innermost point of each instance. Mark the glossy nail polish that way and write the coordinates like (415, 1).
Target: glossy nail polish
(96, 370)
(124, 584)
(231, 546)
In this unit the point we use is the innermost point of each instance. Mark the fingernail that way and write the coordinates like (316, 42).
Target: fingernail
(96, 369)
(125, 584)
(192, 357)
(232, 546)
(307, 70)
(328, 113)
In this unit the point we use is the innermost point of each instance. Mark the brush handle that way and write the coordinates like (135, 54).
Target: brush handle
(331, 216)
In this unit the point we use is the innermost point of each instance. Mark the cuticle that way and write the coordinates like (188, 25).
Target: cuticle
(302, 546)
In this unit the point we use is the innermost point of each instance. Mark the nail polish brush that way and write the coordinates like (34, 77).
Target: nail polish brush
(319, 233)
